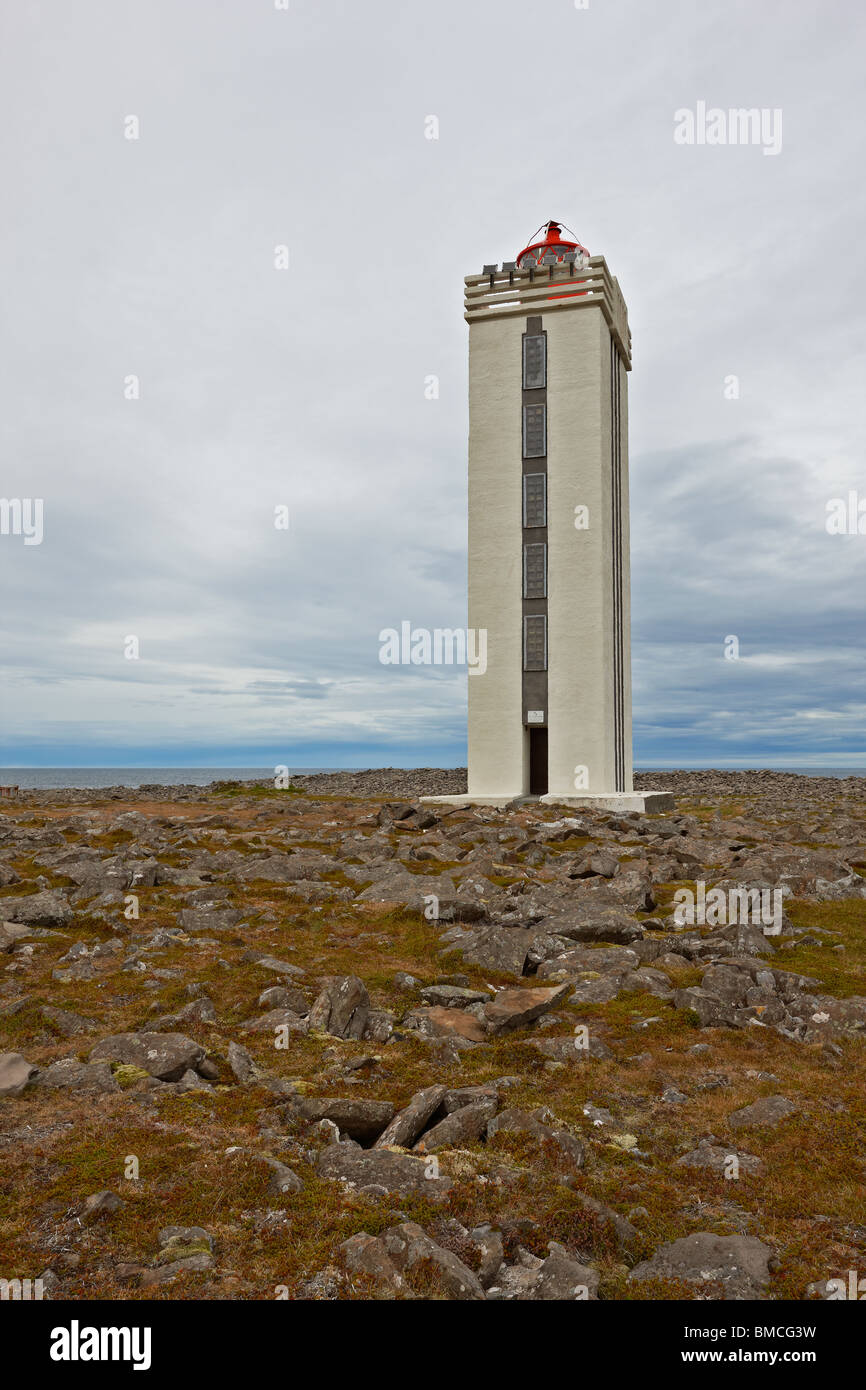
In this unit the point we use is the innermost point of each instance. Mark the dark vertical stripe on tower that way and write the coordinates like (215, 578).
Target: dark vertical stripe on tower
(534, 682)
(616, 551)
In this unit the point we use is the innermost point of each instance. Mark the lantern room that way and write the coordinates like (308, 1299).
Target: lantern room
(553, 248)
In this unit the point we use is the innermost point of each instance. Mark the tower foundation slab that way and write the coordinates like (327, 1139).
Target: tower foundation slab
(647, 802)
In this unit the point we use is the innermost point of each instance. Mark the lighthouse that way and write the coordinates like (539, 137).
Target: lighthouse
(549, 357)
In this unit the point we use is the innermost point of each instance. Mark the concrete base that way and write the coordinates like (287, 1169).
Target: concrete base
(648, 802)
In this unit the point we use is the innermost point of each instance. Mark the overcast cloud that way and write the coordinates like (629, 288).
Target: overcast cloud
(305, 387)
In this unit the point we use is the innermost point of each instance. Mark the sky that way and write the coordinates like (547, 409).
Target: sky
(170, 382)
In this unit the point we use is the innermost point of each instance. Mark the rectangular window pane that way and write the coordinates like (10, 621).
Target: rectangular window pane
(534, 431)
(535, 643)
(535, 499)
(534, 361)
(535, 571)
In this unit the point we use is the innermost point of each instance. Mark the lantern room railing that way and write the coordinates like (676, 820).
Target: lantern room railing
(499, 293)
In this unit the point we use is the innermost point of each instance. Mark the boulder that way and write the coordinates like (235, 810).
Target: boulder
(453, 996)
(515, 1008)
(282, 1178)
(68, 1023)
(363, 1120)
(646, 980)
(281, 967)
(599, 922)
(279, 997)
(769, 1111)
(47, 909)
(570, 1049)
(99, 1205)
(197, 920)
(736, 1264)
(244, 1067)
(276, 1019)
(711, 1011)
(600, 960)
(379, 1171)
(69, 1074)
(409, 1246)
(461, 1127)
(342, 1008)
(11, 933)
(458, 1096)
(717, 1159)
(437, 1022)
(499, 948)
(366, 1255)
(561, 1279)
(163, 1055)
(15, 1073)
(408, 1123)
(599, 991)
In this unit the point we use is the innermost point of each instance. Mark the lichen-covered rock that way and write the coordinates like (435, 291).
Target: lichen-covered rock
(342, 1008)
(47, 909)
(409, 1246)
(380, 1171)
(461, 1127)
(362, 1119)
(407, 1125)
(736, 1266)
(768, 1111)
(163, 1055)
(719, 1159)
(69, 1074)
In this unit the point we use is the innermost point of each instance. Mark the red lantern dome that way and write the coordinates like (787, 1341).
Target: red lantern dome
(554, 244)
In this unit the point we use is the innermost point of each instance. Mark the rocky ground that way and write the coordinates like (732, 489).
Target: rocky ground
(326, 1043)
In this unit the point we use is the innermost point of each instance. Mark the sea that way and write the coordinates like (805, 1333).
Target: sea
(80, 778)
(54, 778)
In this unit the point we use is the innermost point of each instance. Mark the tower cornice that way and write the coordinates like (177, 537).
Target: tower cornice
(503, 292)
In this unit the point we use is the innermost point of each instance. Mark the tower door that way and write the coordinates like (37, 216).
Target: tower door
(537, 762)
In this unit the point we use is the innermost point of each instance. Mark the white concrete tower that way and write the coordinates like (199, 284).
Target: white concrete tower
(549, 353)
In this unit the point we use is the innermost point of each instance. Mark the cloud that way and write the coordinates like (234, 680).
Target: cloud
(305, 388)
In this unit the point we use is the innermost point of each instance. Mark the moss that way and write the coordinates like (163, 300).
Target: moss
(178, 1249)
(126, 1075)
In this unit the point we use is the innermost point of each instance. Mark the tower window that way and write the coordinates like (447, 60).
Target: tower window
(534, 431)
(535, 499)
(535, 571)
(535, 642)
(534, 361)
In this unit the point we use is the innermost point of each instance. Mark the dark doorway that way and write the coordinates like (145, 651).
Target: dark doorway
(537, 762)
